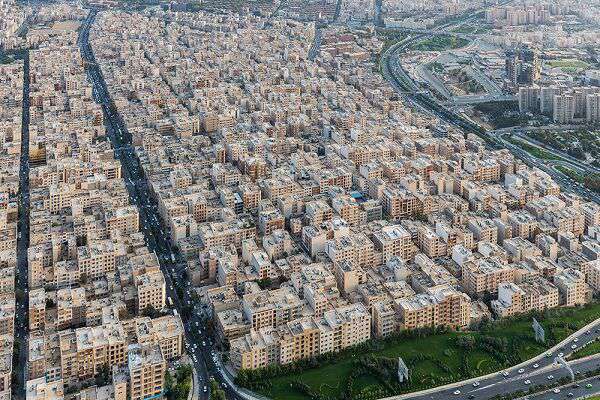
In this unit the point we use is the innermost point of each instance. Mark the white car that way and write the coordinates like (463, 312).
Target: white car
(576, 340)
(456, 392)
(557, 390)
(536, 365)
(476, 384)
(527, 382)
(504, 373)
(204, 389)
(550, 377)
(560, 354)
(521, 370)
(574, 346)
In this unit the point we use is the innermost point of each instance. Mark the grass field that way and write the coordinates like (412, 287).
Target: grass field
(433, 360)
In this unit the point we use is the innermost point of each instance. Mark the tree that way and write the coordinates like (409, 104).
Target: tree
(102, 378)
(150, 312)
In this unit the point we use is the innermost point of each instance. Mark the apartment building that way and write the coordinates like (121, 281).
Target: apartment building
(485, 275)
(513, 299)
(572, 287)
(442, 306)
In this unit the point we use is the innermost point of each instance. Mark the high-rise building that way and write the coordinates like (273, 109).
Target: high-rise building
(564, 109)
(592, 107)
(523, 67)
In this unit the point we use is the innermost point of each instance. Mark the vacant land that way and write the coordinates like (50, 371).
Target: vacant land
(568, 63)
(369, 372)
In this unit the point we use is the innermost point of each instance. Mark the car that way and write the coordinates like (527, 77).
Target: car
(560, 354)
(456, 392)
(548, 354)
(204, 389)
(471, 396)
(588, 386)
(504, 373)
(557, 390)
(521, 370)
(550, 377)
(536, 365)
(570, 394)
(527, 382)
(574, 346)
(476, 384)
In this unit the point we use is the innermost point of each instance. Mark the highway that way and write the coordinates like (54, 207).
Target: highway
(577, 390)
(538, 370)
(423, 101)
(546, 166)
(199, 344)
(541, 370)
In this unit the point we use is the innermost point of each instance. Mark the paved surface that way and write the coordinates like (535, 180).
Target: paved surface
(581, 389)
(21, 278)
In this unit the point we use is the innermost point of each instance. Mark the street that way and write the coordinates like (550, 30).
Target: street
(21, 275)
(199, 344)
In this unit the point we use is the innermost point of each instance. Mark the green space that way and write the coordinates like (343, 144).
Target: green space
(434, 358)
(503, 114)
(216, 393)
(440, 43)
(473, 29)
(390, 37)
(590, 181)
(572, 142)
(6, 57)
(435, 67)
(533, 150)
(590, 349)
(178, 387)
(576, 176)
(568, 64)
(465, 82)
